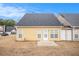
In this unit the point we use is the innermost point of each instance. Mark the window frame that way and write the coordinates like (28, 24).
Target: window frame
(54, 33)
(20, 33)
(52, 36)
(39, 37)
(76, 37)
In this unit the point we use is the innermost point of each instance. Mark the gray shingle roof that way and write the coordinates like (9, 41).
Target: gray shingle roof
(72, 18)
(39, 20)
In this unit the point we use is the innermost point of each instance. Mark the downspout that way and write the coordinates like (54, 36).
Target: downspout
(72, 33)
(65, 35)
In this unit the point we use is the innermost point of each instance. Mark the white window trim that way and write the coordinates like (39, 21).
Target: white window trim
(54, 32)
(38, 32)
(18, 32)
(76, 34)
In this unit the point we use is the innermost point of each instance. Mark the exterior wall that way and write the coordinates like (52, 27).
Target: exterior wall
(69, 35)
(66, 35)
(30, 33)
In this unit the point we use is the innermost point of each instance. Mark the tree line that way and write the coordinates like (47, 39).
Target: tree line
(7, 22)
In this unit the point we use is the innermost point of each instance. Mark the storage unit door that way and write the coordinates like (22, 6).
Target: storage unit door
(68, 35)
(62, 35)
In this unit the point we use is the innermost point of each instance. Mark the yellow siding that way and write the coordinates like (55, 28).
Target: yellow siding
(29, 33)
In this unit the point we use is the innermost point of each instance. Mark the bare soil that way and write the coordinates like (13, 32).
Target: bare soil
(10, 47)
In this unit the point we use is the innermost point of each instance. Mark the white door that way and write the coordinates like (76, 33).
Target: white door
(62, 34)
(65, 35)
(45, 34)
(68, 35)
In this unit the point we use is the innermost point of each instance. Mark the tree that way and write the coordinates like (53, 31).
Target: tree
(7, 22)
(1, 22)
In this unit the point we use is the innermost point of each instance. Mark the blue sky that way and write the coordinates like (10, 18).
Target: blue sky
(17, 10)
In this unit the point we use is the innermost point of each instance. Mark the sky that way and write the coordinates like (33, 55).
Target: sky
(17, 10)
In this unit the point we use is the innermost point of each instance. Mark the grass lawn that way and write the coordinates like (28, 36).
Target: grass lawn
(9, 47)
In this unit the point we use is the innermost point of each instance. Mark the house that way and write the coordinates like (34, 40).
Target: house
(48, 27)
(10, 29)
(1, 29)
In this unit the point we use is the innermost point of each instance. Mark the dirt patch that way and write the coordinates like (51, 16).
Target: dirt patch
(10, 47)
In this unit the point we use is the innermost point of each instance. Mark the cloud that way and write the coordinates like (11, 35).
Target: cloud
(11, 11)
(8, 11)
(16, 12)
(32, 9)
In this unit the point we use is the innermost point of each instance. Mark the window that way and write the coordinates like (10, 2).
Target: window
(20, 35)
(39, 35)
(54, 34)
(76, 36)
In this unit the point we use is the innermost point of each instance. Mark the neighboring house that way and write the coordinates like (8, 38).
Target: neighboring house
(10, 29)
(1, 29)
(35, 27)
